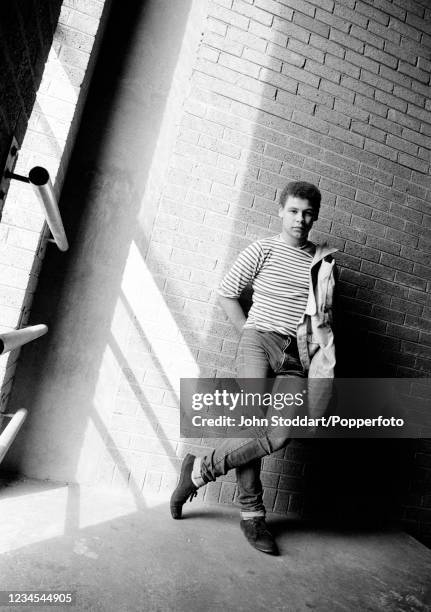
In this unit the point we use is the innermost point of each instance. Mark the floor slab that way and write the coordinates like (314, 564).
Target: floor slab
(120, 553)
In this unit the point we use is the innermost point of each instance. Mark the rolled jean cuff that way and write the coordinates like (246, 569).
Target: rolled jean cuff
(197, 479)
(249, 514)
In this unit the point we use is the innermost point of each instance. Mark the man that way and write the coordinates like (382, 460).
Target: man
(287, 332)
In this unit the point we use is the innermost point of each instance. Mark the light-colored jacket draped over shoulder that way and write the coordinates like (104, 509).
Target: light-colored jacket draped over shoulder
(315, 334)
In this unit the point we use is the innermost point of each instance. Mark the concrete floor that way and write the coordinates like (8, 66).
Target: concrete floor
(120, 554)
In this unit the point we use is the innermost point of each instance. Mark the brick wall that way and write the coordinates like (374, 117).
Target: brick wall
(47, 50)
(337, 93)
(26, 29)
(26, 34)
(331, 91)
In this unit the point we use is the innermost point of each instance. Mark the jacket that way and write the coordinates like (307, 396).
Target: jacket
(315, 336)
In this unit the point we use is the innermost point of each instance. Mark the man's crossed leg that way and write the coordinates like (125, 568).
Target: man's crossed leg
(258, 353)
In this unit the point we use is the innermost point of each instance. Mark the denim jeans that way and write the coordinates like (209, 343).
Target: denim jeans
(260, 355)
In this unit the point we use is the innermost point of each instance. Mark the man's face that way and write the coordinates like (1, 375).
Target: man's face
(298, 217)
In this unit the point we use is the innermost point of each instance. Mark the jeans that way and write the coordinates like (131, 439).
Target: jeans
(260, 354)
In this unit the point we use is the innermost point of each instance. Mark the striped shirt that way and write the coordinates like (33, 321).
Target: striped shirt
(279, 275)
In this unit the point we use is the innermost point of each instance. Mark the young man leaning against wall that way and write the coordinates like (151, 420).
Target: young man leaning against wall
(293, 284)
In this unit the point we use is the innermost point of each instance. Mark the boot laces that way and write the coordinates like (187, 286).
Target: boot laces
(193, 494)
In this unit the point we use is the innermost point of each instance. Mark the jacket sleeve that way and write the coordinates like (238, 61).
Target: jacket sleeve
(334, 309)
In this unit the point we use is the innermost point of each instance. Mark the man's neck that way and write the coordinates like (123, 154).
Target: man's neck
(293, 242)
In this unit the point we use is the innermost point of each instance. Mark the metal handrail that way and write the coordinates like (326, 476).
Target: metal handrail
(39, 179)
(42, 186)
(12, 428)
(13, 339)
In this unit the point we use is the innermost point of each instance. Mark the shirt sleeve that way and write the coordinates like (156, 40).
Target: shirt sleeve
(242, 272)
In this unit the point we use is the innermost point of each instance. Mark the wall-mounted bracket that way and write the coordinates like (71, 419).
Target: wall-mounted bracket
(6, 177)
(16, 177)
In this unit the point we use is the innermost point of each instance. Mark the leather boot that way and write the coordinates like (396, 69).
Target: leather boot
(259, 536)
(185, 489)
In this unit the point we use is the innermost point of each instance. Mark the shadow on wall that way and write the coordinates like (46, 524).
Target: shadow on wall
(70, 379)
(361, 349)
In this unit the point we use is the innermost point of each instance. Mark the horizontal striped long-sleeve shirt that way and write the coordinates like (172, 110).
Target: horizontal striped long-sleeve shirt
(279, 275)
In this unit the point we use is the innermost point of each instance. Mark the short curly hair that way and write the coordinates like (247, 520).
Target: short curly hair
(304, 190)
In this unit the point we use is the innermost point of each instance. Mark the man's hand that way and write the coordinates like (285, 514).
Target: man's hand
(233, 309)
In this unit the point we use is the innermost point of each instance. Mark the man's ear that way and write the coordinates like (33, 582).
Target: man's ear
(280, 211)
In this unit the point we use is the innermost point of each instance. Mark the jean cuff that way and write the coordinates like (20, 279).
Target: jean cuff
(249, 514)
(197, 479)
